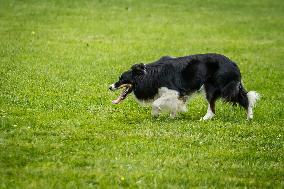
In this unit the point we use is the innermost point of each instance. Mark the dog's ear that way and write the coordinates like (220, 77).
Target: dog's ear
(139, 69)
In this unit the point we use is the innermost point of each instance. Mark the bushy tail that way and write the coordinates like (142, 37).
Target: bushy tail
(253, 97)
(235, 93)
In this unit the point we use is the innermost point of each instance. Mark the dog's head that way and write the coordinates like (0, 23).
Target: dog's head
(127, 81)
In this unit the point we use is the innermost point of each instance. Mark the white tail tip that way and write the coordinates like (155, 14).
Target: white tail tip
(253, 97)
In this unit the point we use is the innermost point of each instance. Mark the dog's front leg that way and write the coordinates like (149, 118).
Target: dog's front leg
(165, 103)
(173, 113)
(156, 108)
(156, 111)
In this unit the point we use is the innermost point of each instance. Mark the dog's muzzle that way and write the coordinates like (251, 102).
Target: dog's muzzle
(127, 89)
(112, 87)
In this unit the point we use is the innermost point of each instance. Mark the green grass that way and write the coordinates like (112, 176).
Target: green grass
(60, 130)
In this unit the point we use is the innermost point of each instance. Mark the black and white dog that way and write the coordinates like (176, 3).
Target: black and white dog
(168, 83)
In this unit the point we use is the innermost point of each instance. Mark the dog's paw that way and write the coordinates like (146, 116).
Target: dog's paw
(173, 115)
(155, 113)
(206, 117)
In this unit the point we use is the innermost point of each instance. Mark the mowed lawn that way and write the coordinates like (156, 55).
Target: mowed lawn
(60, 130)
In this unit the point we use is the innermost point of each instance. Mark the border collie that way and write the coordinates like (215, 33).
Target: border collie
(169, 82)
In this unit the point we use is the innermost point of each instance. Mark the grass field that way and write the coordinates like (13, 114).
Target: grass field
(60, 130)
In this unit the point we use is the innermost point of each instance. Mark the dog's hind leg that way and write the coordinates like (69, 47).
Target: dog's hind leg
(209, 114)
(211, 96)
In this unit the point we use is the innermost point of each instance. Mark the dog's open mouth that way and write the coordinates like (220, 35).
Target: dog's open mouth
(127, 89)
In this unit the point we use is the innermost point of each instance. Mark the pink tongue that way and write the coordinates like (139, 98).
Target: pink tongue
(117, 100)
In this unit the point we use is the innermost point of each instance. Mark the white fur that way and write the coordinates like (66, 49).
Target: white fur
(202, 89)
(253, 97)
(209, 114)
(112, 87)
(168, 101)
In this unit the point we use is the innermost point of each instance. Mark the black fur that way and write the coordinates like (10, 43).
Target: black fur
(220, 76)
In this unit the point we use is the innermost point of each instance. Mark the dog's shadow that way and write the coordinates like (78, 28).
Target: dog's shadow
(163, 118)
(181, 117)
(226, 114)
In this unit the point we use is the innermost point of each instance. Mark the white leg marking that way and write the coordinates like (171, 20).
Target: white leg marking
(155, 110)
(173, 114)
(182, 107)
(209, 114)
(182, 102)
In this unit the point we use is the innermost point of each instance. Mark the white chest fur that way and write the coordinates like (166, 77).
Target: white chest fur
(166, 100)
